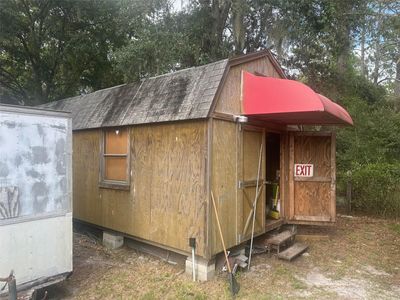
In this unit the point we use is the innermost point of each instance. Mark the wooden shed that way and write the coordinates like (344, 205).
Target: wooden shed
(148, 155)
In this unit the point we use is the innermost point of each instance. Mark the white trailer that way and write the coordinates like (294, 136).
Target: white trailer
(35, 195)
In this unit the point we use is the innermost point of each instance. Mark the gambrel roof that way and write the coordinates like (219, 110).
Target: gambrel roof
(182, 95)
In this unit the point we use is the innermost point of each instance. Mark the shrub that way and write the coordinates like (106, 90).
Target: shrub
(376, 189)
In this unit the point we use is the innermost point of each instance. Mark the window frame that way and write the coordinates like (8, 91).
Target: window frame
(114, 184)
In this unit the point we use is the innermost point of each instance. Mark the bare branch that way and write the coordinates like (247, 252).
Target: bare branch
(385, 79)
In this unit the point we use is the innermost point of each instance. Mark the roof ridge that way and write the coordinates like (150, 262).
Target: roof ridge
(186, 69)
(108, 88)
(74, 98)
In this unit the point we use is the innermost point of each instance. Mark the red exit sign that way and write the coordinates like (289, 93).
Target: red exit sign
(303, 170)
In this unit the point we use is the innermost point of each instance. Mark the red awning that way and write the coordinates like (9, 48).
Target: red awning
(289, 102)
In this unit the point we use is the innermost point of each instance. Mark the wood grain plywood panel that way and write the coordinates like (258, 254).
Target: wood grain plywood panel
(252, 141)
(312, 199)
(116, 210)
(314, 150)
(169, 185)
(104, 207)
(224, 183)
(229, 101)
(167, 197)
(86, 166)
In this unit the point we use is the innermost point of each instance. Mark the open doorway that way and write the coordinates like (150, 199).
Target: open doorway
(273, 216)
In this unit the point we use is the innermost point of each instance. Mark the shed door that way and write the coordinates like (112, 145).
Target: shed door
(251, 144)
(312, 181)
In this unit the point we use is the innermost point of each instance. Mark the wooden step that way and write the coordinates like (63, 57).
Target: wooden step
(272, 224)
(293, 251)
(280, 238)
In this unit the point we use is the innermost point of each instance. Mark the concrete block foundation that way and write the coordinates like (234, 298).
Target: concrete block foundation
(112, 240)
(205, 269)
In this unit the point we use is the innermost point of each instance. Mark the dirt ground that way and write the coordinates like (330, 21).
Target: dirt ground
(359, 258)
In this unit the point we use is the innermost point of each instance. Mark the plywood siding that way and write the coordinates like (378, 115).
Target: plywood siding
(228, 168)
(169, 183)
(316, 150)
(252, 140)
(224, 183)
(166, 203)
(229, 101)
(235, 155)
(312, 199)
(86, 163)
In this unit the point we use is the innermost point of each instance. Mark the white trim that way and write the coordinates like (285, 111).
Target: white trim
(30, 218)
(29, 110)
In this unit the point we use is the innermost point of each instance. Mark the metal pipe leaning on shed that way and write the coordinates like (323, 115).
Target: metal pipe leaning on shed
(255, 204)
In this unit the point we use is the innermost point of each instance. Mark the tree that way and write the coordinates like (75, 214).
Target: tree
(154, 47)
(54, 49)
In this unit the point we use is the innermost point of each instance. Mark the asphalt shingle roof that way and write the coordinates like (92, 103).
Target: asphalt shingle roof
(182, 95)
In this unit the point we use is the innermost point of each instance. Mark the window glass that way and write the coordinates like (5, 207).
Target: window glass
(116, 141)
(115, 164)
(115, 168)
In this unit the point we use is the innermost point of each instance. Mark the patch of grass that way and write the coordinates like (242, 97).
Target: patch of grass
(187, 290)
(298, 284)
(159, 278)
(353, 246)
(323, 294)
(395, 228)
(281, 271)
(339, 272)
(268, 296)
(148, 296)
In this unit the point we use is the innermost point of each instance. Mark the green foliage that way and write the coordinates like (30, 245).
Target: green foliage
(374, 137)
(163, 44)
(167, 41)
(376, 189)
(368, 154)
(53, 49)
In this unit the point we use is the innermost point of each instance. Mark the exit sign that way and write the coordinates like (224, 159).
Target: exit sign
(303, 170)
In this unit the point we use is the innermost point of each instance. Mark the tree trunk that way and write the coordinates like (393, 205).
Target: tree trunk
(377, 60)
(397, 79)
(343, 36)
(364, 70)
(344, 49)
(279, 48)
(219, 12)
(397, 86)
(238, 7)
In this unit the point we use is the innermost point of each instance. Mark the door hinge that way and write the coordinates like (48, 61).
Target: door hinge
(240, 184)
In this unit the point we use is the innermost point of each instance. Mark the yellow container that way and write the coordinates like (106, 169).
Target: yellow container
(274, 214)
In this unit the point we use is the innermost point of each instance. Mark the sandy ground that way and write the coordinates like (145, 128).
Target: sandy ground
(360, 259)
